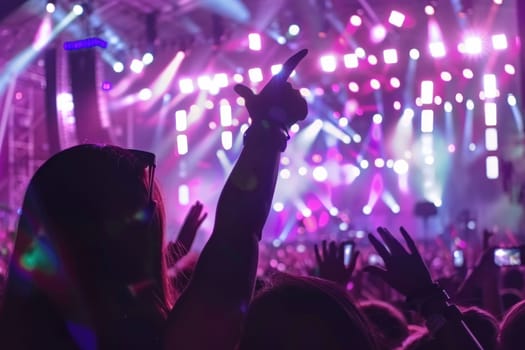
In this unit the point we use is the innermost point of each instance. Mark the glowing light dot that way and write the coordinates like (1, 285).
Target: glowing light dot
(278, 207)
(367, 210)
(285, 173)
(356, 21)
(320, 174)
(363, 164)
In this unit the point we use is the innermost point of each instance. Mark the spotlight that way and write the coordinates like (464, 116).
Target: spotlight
(118, 67)
(147, 58)
(396, 18)
(50, 6)
(78, 9)
(294, 30)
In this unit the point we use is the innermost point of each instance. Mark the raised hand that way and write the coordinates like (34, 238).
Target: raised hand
(331, 262)
(189, 228)
(278, 101)
(404, 270)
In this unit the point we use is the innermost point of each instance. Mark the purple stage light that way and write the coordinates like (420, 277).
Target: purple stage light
(446, 76)
(372, 59)
(353, 86)
(356, 21)
(320, 174)
(255, 75)
(106, 86)
(378, 33)
(394, 81)
(375, 84)
(186, 86)
(351, 60)
(437, 49)
(390, 56)
(396, 18)
(204, 82)
(328, 63)
(427, 91)
(509, 69)
(254, 41)
(136, 66)
(499, 41)
(468, 73)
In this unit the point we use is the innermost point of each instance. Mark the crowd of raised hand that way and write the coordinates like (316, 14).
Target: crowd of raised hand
(90, 268)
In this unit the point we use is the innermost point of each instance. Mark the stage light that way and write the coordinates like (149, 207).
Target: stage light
(472, 45)
(363, 164)
(225, 114)
(446, 76)
(498, 2)
(204, 82)
(118, 67)
(378, 33)
(390, 56)
(281, 40)
(375, 84)
(395, 82)
(254, 42)
(227, 139)
(328, 63)
(294, 29)
(220, 80)
(499, 41)
(492, 167)
(430, 10)
(320, 174)
(451, 148)
(437, 49)
(367, 210)
(360, 52)
(145, 94)
(78, 9)
(355, 20)
(511, 100)
(397, 105)
(490, 86)
(491, 139)
(307, 212)
(353, 86)
(372, 60)
(181, 120)
(427, 91)
(351, 60)
(459, 97)
(468, 73)
(448, 107)
(278, 207)
(377, 118)
(414, 54)
(136, 66)
(50, 7)
(471, 147)
(184, 195)
(356, 138)
(294, 128)
(400, 166)
(470, 104)
(427, 121)
(276, 69)
(509, 69)
(186, 86)
(65, 102)
(255, 75)
(333, 211)
(106, 86)
(182, 144)
(342, 122)
(379, 162)
(396, 18)
(147, 58)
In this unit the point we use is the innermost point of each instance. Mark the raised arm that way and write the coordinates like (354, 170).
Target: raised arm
(209, 313)
(406, 272)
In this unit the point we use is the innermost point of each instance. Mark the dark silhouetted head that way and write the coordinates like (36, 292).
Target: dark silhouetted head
(305, 313)
(388, 322)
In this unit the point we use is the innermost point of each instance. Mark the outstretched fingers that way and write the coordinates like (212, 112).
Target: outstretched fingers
(409, 241)
(379, 247)
(289, 66)
(393, 244)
